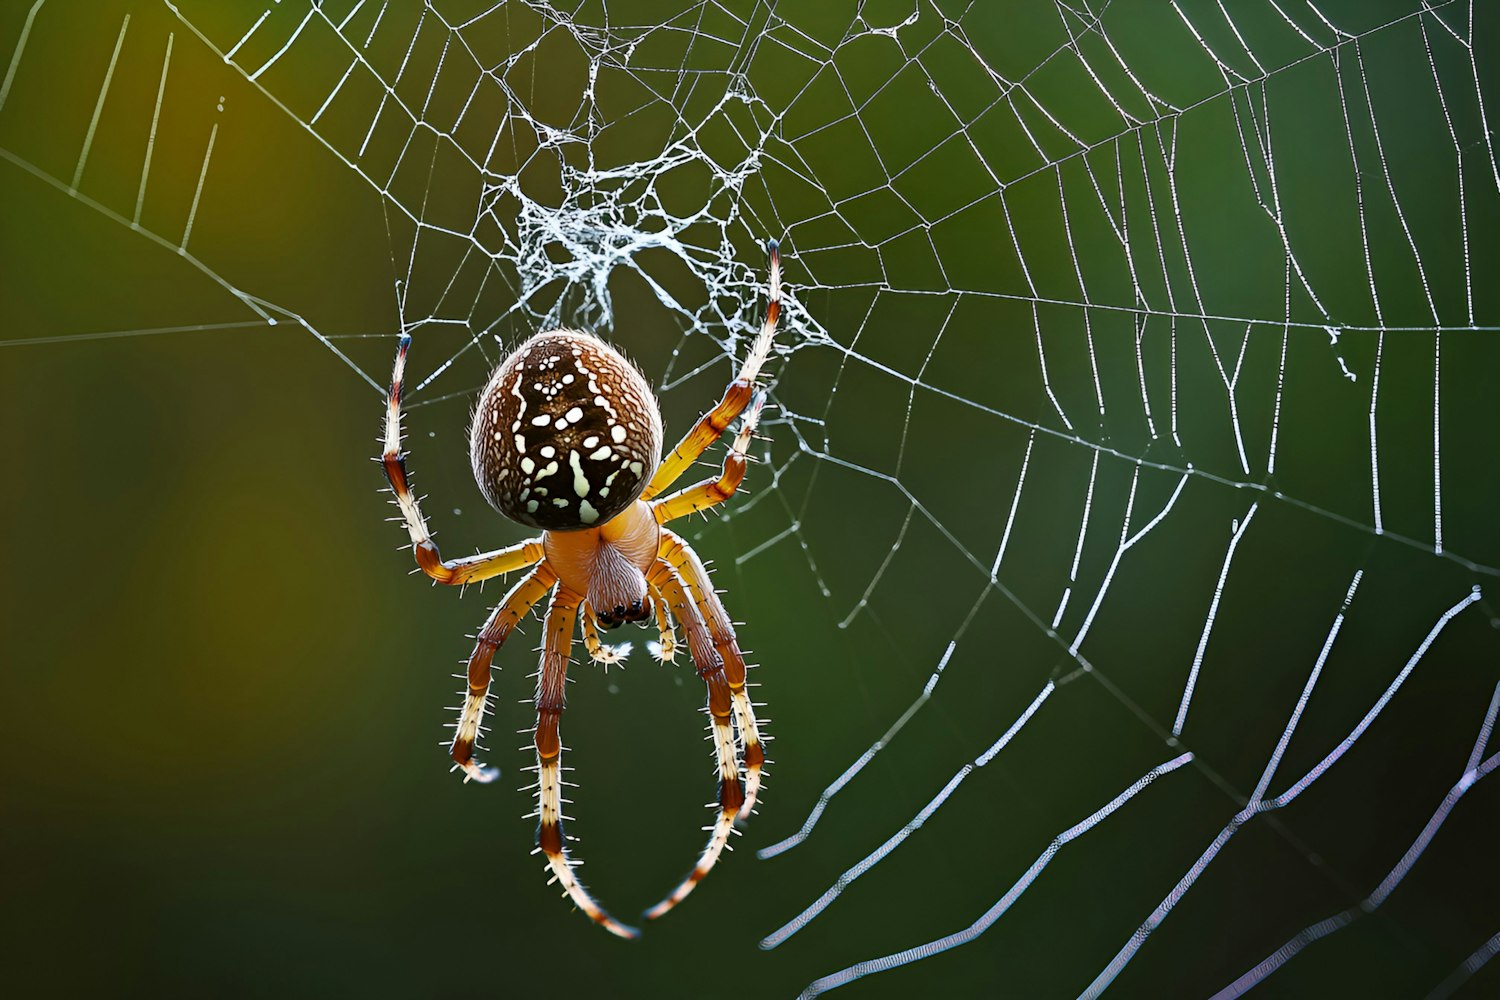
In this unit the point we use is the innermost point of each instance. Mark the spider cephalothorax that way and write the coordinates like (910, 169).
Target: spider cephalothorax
(567, 437)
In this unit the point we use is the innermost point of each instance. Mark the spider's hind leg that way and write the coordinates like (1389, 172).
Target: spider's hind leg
(736, 397)
(686, 564)
(552, 677)
(711, 669)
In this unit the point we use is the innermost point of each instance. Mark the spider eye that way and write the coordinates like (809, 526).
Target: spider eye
(566, 433)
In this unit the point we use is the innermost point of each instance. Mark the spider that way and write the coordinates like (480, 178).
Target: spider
(567, 437)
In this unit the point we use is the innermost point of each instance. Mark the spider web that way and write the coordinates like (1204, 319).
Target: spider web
(1134, 425)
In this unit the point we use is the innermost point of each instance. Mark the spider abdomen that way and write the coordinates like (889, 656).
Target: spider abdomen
(566, 433)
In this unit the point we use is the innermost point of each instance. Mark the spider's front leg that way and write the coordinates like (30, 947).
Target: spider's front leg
(455, 572)
(714, 490)
(501, 622)
(736, 397)
(711, 669)
(552, 677)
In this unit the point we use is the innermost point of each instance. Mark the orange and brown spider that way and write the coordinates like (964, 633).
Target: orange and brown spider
(567, 437)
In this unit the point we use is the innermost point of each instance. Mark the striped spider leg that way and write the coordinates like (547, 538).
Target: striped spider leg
(711, 670)
(497, 628)
(458, 572)
(690, 569)
(736, 396)
(551, 680)
(682, 579)
(711, 492)
(454, 572)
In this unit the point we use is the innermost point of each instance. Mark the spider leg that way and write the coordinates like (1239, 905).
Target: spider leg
(716, 489)
(685, 563)
(599, 651)
(551, 678)
(515, 605)
(711, 669)
(470, 569)
(713, 423)
(666, 646)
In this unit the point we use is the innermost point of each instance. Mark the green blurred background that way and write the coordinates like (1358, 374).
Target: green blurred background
(223, 694)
